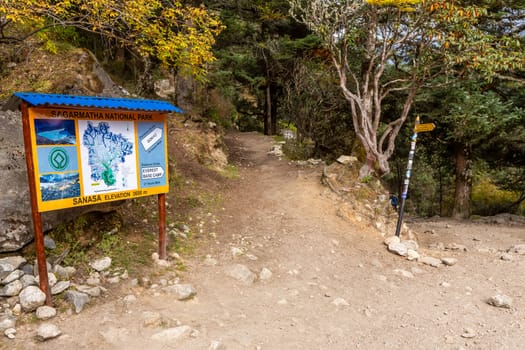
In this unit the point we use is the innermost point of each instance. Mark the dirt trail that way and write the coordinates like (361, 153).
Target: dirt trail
(333, 285)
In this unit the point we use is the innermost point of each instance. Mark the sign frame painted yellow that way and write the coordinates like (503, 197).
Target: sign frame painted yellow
(90, 156)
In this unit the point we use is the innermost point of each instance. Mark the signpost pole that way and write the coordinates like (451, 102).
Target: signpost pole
(407, 177)
(162, 225)
(37, 217)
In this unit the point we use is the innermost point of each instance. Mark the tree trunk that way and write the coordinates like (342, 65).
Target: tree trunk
(273, 112)
(463, 182)
(267, 109)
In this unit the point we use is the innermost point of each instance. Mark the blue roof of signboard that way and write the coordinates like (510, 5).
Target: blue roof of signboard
(36, 99)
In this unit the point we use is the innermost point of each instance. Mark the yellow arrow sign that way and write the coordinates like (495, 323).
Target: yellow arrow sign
(424, 127)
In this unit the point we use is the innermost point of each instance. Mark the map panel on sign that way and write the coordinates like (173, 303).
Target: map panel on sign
(108, 156)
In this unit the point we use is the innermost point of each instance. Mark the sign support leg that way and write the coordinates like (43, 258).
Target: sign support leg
(37, 217)
(162, 225)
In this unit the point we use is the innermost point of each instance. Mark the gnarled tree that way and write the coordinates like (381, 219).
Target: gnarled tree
(381, 47)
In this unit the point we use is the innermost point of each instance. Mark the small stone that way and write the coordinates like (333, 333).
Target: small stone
(64, 273)
(13, 262)
(172, 334)
(181, 291)
(51, 279)
(500, 300)
(78, 299)
(506, 257)
(31, 298)
(468, 333)
(151, 319)
(345, 160)
(49, 243)
(410, 244)
(449, 261)
(28, 280)
(10, 333)
(236, 252)
(11, 289)
(445, 284)
(455, 246)
(391, 239)
(45, 312)
(398, 248)
(101, 264)
(129, 299)
(7, 321)
(340, 302)
(14, 275)
(47, 331)
(89, 290)
(241, 273)
(412, 255)
(428, 260)
(17, 309)
(60, 287)
(265, 274)
(113, 280)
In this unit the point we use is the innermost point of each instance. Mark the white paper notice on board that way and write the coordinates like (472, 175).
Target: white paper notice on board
(151, 139)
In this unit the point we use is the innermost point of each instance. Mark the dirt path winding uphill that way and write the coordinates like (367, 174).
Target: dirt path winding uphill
(321, 282)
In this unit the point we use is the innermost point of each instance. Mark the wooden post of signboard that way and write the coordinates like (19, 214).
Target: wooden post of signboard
(37, 216)
(162, 225)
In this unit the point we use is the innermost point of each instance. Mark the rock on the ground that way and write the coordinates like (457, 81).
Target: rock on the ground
(340, 302)
(265, 274)
(410, 244)
(78, 299)
(500, 300)
(429, 260)
(11, 289)
(412, 255)
(241, 273)
(172, 334)
(45, 312)
(7, 321)
(31, 297)
(398, 248)
(60, 287)
(12, 276)
(101, 264)
(151, 319)
(391, 239)
(47, 331)
(10, 333)
(449, 261)
(345, 160)
(64, 272)
(181, 291)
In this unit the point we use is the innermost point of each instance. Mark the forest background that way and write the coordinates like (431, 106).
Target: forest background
(346, 77)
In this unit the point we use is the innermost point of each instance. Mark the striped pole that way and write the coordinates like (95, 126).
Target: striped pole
(407, 177)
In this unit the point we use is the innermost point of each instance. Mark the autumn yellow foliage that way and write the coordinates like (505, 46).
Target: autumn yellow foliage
(179, 35)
